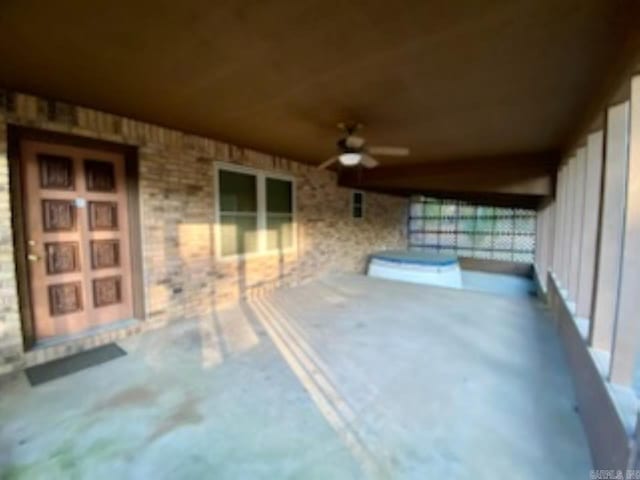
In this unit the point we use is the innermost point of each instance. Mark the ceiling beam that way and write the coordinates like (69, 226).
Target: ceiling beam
(528, 163)
(489, 199)
(519, 175)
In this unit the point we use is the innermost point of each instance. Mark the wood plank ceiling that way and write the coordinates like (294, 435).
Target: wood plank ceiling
(454, 81)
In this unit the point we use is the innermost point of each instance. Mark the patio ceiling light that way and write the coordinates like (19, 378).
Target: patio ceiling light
(349, 159)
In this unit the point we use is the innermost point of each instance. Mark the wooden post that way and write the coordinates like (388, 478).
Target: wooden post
(612, 227)
(549, 240)
(590, 217)
(567, 221)
(576, 222)
(627, 329)
(559, 208)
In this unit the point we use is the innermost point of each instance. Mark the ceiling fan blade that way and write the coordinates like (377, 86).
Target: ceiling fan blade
(368, 161)
(389, 151)
(328, 163)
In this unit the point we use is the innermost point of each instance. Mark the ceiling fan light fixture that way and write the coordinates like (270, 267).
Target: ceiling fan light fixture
(349, 159)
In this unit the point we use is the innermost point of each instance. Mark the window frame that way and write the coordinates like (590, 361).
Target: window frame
(261, 210)
(353, 204)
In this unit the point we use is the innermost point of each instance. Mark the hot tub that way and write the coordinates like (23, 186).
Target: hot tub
(428, 268)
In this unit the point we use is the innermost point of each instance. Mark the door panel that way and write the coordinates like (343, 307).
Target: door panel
(59, 215)
(77, 237)
(56, 172)
(103, 216)
(65, 298)
(107, 291)
(105, 254)
(62, 257)
(100, 176)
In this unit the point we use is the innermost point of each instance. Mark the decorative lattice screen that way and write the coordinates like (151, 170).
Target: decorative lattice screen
(466, 230)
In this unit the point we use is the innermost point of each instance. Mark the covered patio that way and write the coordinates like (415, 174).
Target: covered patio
(348, 239)
(319, 381)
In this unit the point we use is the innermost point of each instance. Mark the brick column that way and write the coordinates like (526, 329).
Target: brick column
(10, 328)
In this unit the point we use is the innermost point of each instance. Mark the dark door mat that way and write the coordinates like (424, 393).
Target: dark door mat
(74, 363)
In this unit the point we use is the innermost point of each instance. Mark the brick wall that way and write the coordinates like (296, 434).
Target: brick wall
(182, 277)
(10, 329)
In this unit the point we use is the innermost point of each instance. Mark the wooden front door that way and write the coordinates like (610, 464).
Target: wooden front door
(76, 225)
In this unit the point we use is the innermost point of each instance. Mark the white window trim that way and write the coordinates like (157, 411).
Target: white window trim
(362, 205)
(261, 179)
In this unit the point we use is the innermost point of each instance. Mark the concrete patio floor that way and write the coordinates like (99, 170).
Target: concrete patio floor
(348, 377)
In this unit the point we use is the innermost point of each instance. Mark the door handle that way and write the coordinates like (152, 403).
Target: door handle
(32, 257)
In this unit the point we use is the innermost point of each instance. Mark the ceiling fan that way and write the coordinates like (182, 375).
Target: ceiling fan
(353, 150)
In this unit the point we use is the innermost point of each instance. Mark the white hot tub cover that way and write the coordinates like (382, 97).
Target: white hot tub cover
(417, 267)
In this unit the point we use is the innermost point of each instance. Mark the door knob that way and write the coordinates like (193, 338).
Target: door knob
(32, 257)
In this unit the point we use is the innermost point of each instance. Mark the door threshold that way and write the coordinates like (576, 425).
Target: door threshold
(90, 332)
(62, 346)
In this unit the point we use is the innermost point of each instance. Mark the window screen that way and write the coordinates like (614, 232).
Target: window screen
(468, 230)
(279, 214)
(238, 213)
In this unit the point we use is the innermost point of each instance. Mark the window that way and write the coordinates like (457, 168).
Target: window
(279, 214)
(238, 213)
(255, 211)
(468, 230)
(357, 204)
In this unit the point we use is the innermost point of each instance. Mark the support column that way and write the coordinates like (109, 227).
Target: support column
(544, 245)
(590, 217)
(539, 227)
(612, 227)
(576, 222)
(541, 245)
(551, 233)
(627, 328)
(559, 207)
(567, 233)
